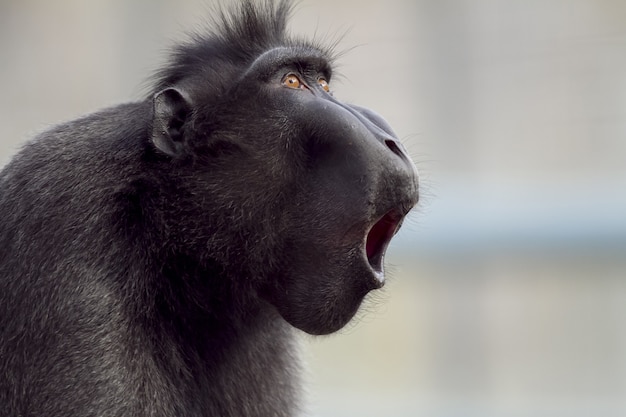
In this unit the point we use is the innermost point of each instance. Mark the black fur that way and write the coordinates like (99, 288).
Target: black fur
(154, 256)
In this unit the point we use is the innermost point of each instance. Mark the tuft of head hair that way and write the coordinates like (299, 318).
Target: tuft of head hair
(238, 35)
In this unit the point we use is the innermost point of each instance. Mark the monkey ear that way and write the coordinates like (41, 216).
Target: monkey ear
(170, 112)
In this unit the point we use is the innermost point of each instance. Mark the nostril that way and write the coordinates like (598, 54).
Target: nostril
(393, 146)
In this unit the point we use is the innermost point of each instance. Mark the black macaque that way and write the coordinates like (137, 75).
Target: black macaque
(155, 257)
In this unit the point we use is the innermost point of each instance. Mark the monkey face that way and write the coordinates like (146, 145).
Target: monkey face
(311, 189)
(355, 187)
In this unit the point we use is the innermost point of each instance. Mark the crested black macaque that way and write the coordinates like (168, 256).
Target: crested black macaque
(155, 257)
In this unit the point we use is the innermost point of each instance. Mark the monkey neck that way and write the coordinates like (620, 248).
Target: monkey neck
(231, 351)
(203, 333)
(245, 364)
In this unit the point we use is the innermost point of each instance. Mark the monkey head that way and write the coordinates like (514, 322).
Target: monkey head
(291, 191)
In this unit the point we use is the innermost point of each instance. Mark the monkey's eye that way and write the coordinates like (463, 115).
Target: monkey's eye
(324, 84)
(292, 81)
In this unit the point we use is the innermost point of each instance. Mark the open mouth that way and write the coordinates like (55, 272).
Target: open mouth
(378, 239)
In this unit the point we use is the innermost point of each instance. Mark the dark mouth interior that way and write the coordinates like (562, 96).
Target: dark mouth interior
(379, 237)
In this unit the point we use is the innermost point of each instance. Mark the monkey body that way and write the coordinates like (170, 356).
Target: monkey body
(156, 256)
(91, 299)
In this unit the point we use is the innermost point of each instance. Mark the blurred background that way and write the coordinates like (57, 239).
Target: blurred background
(507, 285)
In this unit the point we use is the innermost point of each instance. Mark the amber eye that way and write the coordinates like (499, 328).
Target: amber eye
(324, 84)
(292, 81)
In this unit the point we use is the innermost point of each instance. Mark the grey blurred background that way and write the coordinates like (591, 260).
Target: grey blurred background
(507, 290)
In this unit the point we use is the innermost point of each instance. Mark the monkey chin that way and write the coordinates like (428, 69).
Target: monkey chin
(326, 291)
(329, 301)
